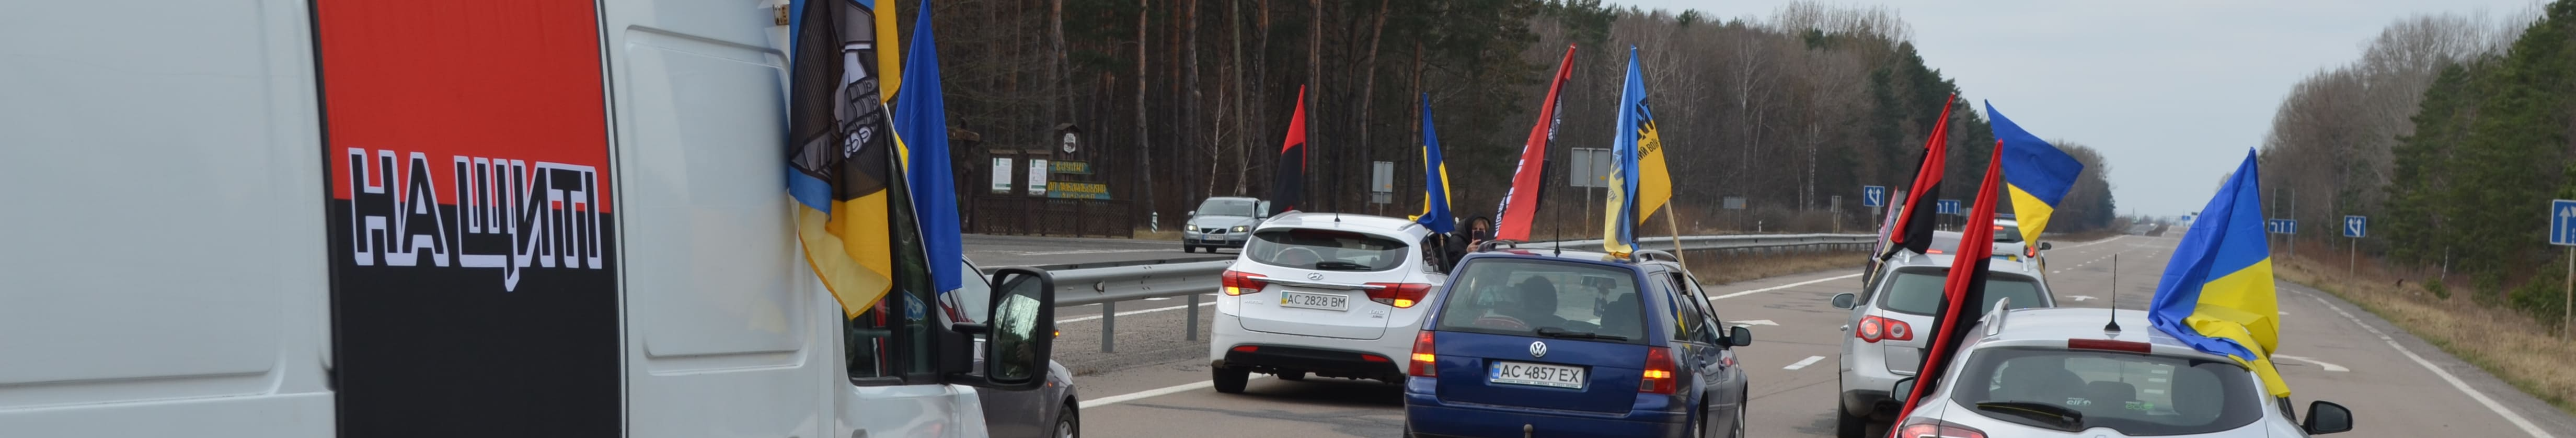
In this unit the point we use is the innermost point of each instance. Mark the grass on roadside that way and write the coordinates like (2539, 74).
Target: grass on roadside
(2511, 346)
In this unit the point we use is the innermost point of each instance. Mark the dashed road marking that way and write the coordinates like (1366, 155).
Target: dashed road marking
(1784, 286)
(1810, 360)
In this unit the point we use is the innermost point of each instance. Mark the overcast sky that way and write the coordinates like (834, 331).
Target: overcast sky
(2172, 92)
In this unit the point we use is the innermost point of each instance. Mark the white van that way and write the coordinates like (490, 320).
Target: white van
(317, 218)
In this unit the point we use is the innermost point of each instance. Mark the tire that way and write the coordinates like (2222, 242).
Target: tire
(1742, 404)
(1699, 426)
(1848, 426)
(1185, 249)
(1293, 376)
(1067, 423)
(1229, 380)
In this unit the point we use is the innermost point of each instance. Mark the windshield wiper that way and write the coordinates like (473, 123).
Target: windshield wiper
(2058, 417)
(1554, 332)
(1340, 266)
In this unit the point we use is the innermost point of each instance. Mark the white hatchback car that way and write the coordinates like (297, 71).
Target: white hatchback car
(1889, 316)
(2059, 373)
(1336, 295)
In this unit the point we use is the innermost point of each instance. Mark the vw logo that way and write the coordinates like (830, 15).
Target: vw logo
(1538, 349)
(1315, 276)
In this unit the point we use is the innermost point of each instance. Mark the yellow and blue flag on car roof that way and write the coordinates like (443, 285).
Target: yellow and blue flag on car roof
(2217, 292)
(2036, 174)
(921, 136)
(1435, 179)
(1638, 184)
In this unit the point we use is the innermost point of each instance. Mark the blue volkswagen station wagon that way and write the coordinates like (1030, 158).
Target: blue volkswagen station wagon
(1536, 342)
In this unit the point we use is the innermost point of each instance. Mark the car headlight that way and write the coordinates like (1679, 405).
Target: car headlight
(1242, 228)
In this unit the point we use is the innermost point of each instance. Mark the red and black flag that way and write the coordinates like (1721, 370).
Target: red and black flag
(1913, 227)
(1288, 181)
(1963, 296)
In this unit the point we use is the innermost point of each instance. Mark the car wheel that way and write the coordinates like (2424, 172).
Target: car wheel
(1699, 426)
(1068, 424)
(1185, 249)
(1293, 376)
(1229, 379)
(1742, 404)
(1848, 426)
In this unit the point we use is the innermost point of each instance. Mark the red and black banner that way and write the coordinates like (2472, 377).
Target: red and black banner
(473, 251)
(1963, 293)
(1913, 229)
(1288, 181)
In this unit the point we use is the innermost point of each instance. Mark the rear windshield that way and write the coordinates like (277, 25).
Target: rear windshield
(1325, 250)
(1226, 207)
(2135, 394)
(1919, 292)
(1544, 298)
(2007, 234)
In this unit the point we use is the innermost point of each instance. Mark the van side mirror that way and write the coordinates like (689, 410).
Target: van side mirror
(2043, 246)
(1845, 300)
(1904, 388)
(1739, 336)
(2326, 417)
(1019, 336)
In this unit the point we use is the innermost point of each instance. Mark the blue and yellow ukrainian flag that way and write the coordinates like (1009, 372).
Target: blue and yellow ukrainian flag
(2036, 174)
(841, 169)
(2217, 291)
(921, 133)
(1638, 184)
(1435, 179)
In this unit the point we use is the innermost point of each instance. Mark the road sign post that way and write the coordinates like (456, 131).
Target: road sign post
(1948, 207)
(2354, 228)
(2287, 228)
(1874, 199)
(2562, 232)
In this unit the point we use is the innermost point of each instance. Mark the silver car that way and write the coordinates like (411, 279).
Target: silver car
(1051, 411)
(1223, 222)
(1886, 320)
(2059, 373)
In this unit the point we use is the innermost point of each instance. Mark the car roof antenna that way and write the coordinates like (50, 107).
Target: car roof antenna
(1557, 226)
(2114, 326)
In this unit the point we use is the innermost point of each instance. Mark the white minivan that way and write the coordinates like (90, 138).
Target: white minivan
(488, 218)
(1332, 294)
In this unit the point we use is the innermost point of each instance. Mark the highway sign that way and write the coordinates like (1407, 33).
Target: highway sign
(2356, 226)
(2283, 226)
(2562, 222)
(1873, 196)
(1947, 206)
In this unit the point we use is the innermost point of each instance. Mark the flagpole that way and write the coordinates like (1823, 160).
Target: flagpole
(1675, 224)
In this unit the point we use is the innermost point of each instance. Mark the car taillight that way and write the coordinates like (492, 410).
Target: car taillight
(1874, 329)
(1659, 376)
(1919, 427)
(1239, 282)
(2110, 345)
(1400, 295)
(2029, 252)
(1425, 364)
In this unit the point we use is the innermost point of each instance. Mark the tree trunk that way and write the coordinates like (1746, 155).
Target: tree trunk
(1242, 119)
(1315, 87)
(1144, 141)
(1058, 80)
(1368, 82)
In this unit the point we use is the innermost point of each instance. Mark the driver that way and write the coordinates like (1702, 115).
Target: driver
(1538, 303)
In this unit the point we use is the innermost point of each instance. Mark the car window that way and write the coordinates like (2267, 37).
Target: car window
(1326, 250)
(2135, 394)
(2007, 234)
(1227, 207)
(1520, 296)
(1687, 316)
(975, 297)
(1919, 292)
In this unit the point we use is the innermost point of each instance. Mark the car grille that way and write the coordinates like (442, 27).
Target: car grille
(1212, 230)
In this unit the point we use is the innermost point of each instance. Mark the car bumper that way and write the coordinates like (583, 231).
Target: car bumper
(1328, 357)
(1428, 417)
(1865, 386)
(1215, 240)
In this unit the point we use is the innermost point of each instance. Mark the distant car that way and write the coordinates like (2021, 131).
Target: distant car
(1222, 222)
(1885, 319)
(1541, 343)
(2056, 372)
(1050, 411)
(1332, 294)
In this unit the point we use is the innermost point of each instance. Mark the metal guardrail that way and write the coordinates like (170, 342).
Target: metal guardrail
(1080, 284)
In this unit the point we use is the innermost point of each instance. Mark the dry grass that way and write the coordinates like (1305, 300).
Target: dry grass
(1172, 234)
(1721, 268)
(2510, 345)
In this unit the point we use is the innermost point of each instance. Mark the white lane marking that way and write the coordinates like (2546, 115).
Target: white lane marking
(1811, 360)
(1131, 312)
(1151, 393)
(2446, 376)
(1784, 286)
(2080, 297)
(1755, 322)
(2319, 363)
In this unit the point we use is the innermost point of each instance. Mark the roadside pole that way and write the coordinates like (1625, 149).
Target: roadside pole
(2354, 228)
(2562, 232)
(2567, 323)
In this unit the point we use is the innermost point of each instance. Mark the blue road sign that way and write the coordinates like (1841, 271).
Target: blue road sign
(2562, 222)
(1873, 196)
(2356, 226)
(1947, 206)
(2284, 226)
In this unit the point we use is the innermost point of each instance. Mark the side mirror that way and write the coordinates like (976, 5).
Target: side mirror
(2043, 246)
(1018, 336)
(1904, 388)
(1192, 213)
(2326, 417)
(1739, 336)
(1846, 300)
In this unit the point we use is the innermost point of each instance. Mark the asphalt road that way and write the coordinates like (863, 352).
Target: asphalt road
(2397, 385)
(991, 251)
